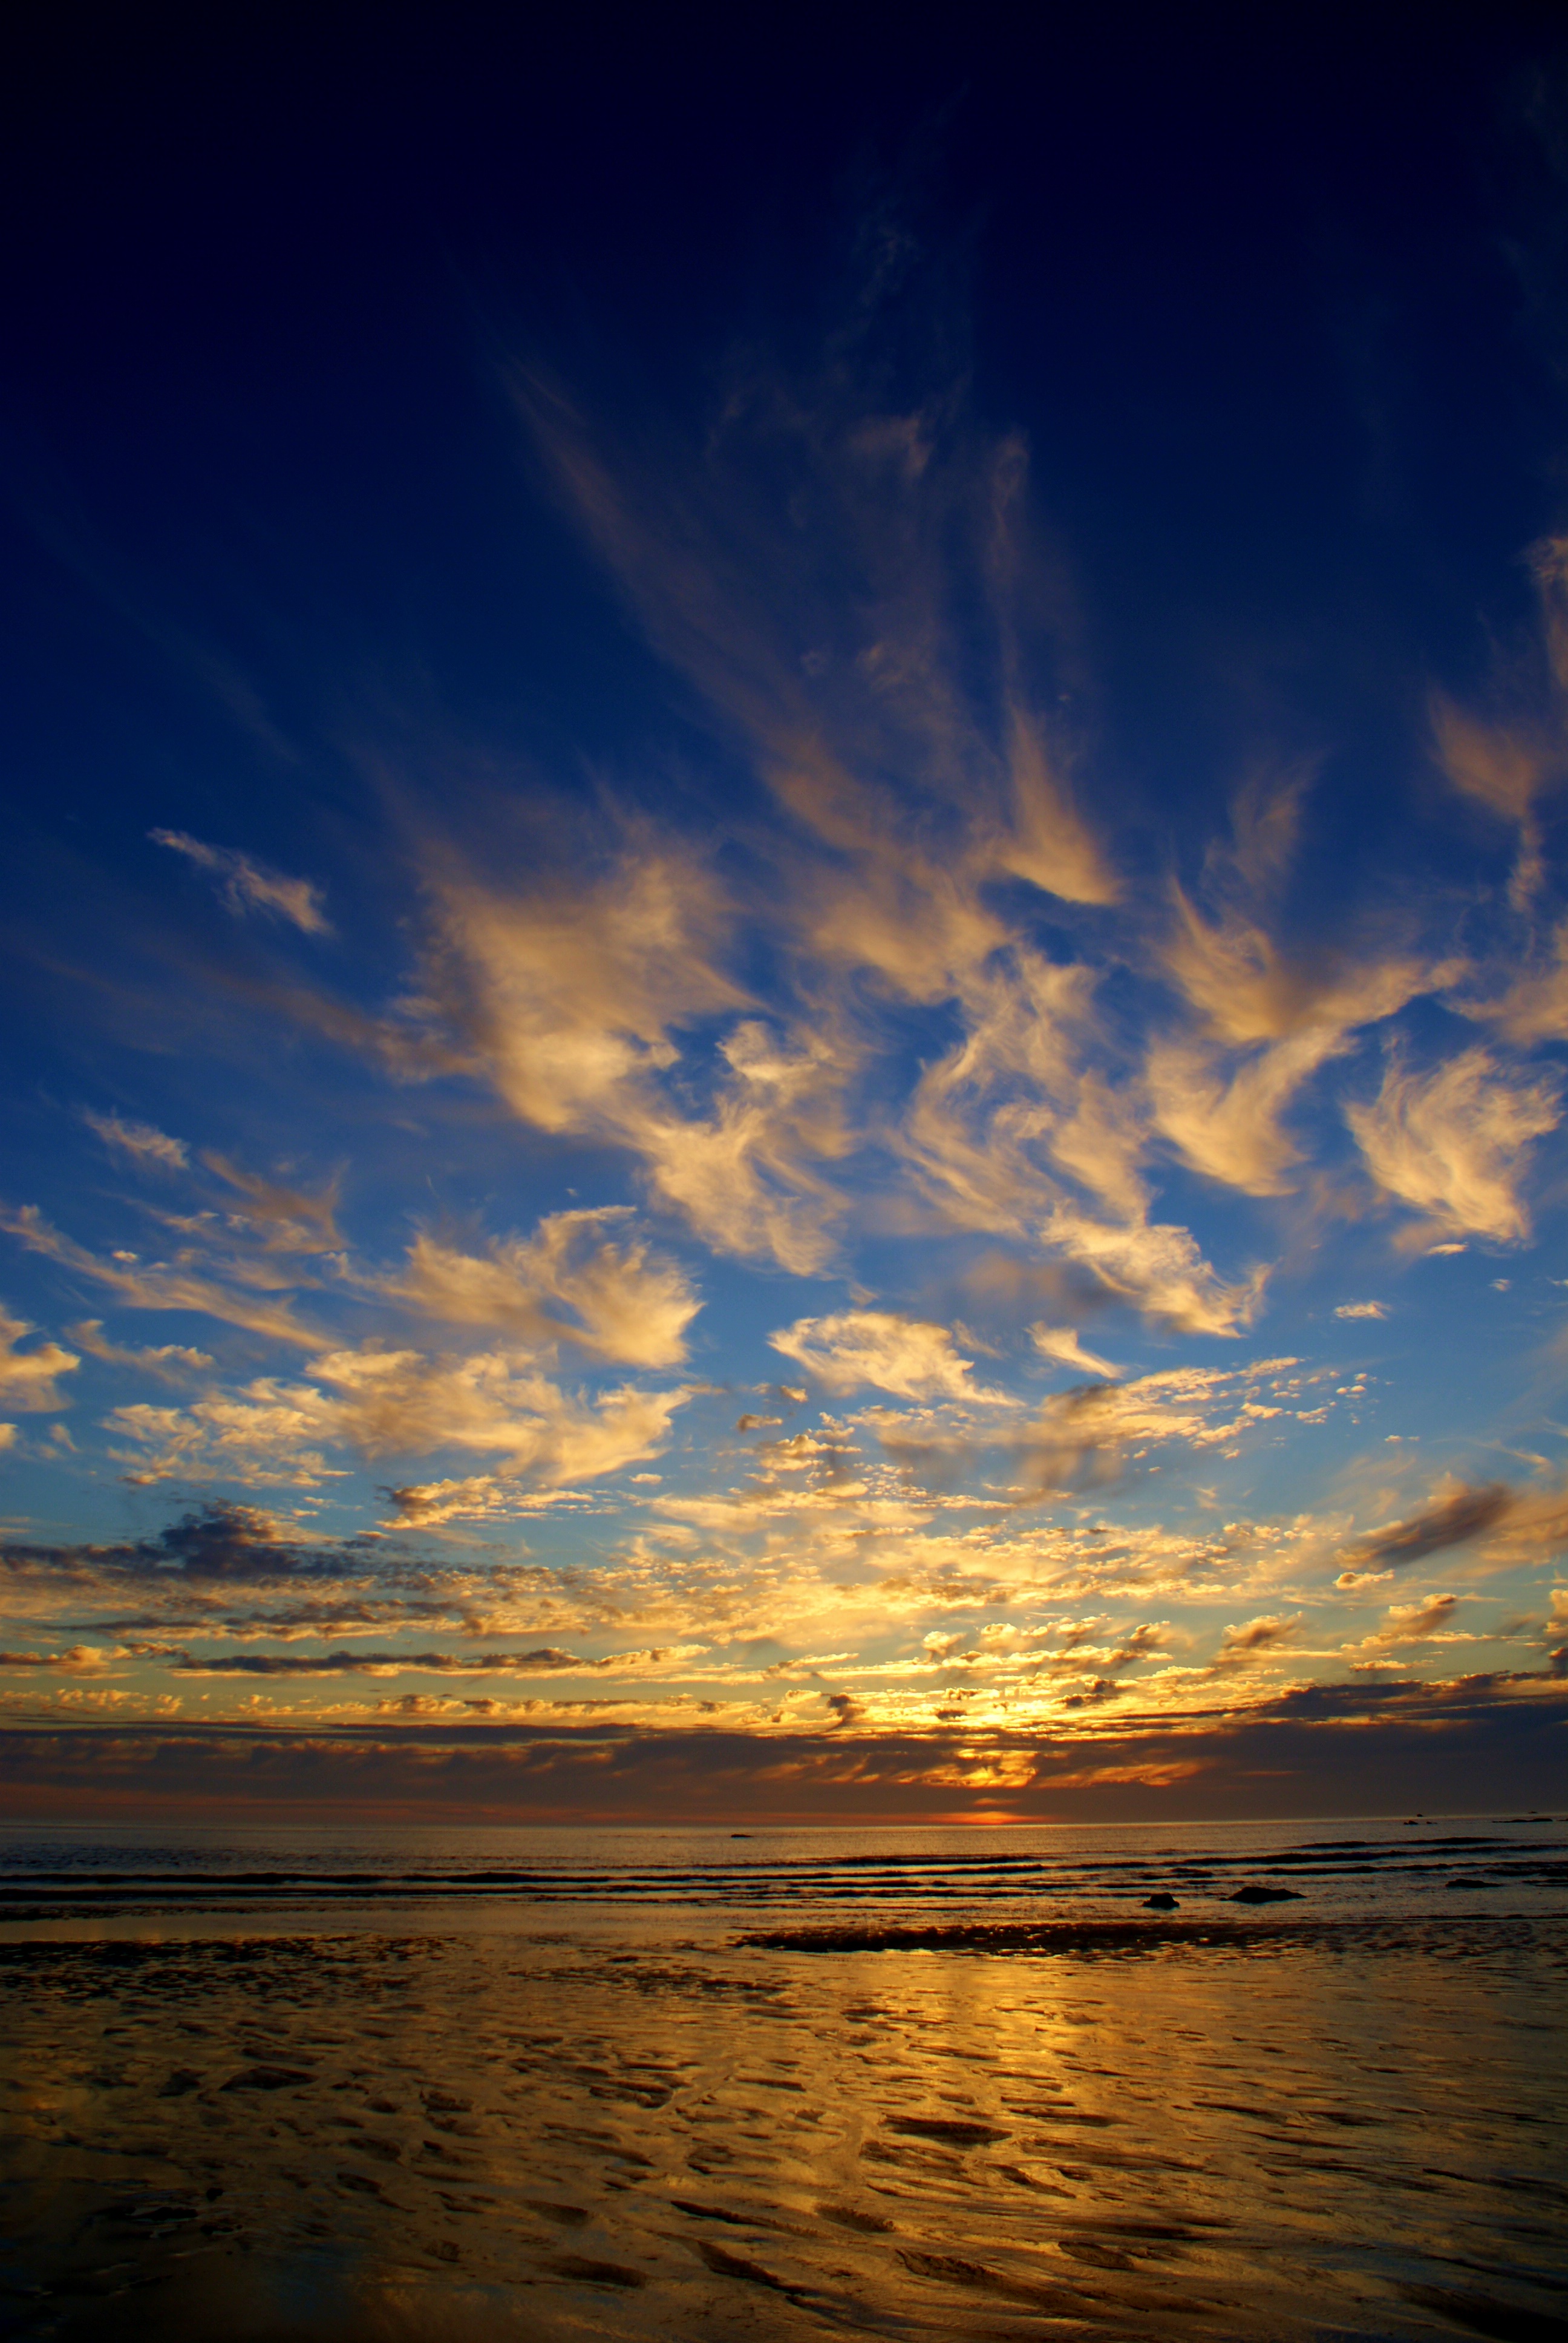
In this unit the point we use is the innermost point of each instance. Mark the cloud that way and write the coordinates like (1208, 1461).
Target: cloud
(1061, 1345)
(1257, 1639)
(884, 892)
(158, 1285)
(1411, 1623)
(615, 1301)
(223, 1569)
(1450, 1143)
(1250, 992)
(1534, 1007)
(473, 1496)
(29, 1380)
(569, 1002)
(1020, 1103)
(144, 1145)
(249, 886)
(1509, 759)
(600, 1000)
(1533, 1527)
(1500, 768)
(288, 1219)
(81, 1660)
(1225, 1121)
(170, 1362)
(1360, 1309)
(907, 1356)
(623, 1305)
(1367, 1747)
(544, 1661)
(569, 993)
(1082, 1438)
(1454, 1520)
(746, 1178)
(1087, 1432)
(1271, 1023)
(213, 1544)
(397, 1402)
(833, 686)
(1160, 1270)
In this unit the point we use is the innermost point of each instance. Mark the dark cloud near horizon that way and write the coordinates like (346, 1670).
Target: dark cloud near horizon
(1358, 1748)
(212, 1543)
(379, 1663)
(327, 1617)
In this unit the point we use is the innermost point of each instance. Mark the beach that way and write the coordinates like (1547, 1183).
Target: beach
(585, 2120)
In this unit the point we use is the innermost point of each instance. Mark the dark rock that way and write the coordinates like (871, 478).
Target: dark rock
(1160, 1903)
(1265, 1895)
(726, 2264)
(570, 2217)
(849, 2216)
(267, 2078)
(1484, 2314)
(953, 2133)
(592, 2273)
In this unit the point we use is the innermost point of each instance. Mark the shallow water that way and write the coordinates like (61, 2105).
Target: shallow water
(626, 2121)
(57, 1881)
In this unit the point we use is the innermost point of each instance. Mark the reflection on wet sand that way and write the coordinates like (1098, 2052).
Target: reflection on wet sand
(536, 2137)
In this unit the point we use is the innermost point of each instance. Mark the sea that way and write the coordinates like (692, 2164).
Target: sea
(412, 2084)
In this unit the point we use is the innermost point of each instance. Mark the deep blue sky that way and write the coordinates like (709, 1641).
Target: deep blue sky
(536, 559)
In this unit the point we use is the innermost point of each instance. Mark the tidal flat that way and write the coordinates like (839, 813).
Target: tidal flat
(1296, 2128)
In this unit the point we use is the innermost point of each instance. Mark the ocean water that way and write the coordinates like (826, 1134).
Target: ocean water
(402, 2086)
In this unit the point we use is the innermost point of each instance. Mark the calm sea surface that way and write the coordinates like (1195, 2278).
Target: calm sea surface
(402, 2086)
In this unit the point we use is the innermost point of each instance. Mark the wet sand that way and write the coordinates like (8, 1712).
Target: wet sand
(542, 2136)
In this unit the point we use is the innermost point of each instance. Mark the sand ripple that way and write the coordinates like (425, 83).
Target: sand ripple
(372, 2140)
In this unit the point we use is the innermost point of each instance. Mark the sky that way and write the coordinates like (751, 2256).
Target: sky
(785, 919)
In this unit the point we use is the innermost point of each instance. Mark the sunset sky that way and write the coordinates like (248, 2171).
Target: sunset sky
(787, 942)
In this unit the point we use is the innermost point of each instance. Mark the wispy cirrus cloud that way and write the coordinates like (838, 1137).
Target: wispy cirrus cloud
(569, 1002)
(1062, 1346)
(1450, 1143)
(907, 1356)
(584, 1277)
(1513, 755)
(1083, 1438)
(934, 1011)
(30, 1380)
(250, 886)
(600, 994)
(1533, 1004)
(283, 1218)
(382, 1403)
(170, 1362)
(142, 1143)
(158, 1285)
